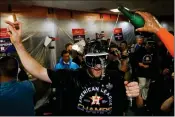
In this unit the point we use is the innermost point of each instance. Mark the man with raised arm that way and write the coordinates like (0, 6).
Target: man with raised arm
(91, 91)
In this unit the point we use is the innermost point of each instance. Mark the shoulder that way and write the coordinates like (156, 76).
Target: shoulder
(58, 66)
(74, 64)
(57, 72)
(28, 85)
(61, 74)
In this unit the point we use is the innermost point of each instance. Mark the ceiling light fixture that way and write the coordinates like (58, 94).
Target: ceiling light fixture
(116, 10)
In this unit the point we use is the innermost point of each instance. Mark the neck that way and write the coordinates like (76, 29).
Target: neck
(5, 79)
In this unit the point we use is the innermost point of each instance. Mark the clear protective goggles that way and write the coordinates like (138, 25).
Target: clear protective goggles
(96, 60)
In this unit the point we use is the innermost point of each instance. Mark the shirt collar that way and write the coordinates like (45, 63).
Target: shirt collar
(6, 84)
(66, 63)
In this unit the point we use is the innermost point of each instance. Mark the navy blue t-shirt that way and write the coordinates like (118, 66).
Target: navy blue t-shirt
(16, 98)
(79, 94)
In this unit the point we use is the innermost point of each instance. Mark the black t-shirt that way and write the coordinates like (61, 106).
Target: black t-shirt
(113, 65)
(147, 58)
(79, 94)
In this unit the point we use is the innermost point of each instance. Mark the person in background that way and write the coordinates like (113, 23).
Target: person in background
(16, 97)
(160, 100)
(108, 41)
(135, 52)
(153, 26)
(146, 68)
(147, 73)
(124, 49)
(68, 47)
(168, 104)
(79, 60)
(162, 54)
(139, 42)
(125, 60)
(66, 62)
(115, 62)
(114, 58)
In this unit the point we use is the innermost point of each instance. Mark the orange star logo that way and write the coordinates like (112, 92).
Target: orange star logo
(96, 99)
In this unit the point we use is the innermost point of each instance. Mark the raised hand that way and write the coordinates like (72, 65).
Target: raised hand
(15, 34)
(151, 23)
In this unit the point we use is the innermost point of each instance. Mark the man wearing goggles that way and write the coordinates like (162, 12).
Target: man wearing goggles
(91, 91)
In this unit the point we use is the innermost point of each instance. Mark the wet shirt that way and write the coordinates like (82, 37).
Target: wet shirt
(79, 94)
(16, 98)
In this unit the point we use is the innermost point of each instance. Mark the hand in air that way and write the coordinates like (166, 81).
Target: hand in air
(151, 23)
(15, 34)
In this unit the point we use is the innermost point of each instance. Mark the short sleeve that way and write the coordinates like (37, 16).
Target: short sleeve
(59, 76)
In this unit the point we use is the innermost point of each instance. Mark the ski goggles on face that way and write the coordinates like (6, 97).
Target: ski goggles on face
(96, 60)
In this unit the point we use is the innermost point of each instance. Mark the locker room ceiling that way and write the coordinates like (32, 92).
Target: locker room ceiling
(157, 7)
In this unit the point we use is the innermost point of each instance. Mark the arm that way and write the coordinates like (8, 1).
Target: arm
(142, 65)
(29, 63)
(167, 104)
(167, 38)
(124, 65)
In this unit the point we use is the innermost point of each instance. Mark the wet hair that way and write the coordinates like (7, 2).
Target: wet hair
(64, 52)
(67, 45)
(8, 67)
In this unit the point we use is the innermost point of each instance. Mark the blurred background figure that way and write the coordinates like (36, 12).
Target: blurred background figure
(134, 52)
(66, 62)
(125, 60)
(114, 58)
(124, 49)
(68, 48)
(79, 60)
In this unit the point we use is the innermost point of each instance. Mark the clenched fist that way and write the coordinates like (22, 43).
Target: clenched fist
(132, 89)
